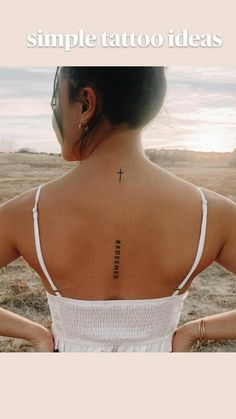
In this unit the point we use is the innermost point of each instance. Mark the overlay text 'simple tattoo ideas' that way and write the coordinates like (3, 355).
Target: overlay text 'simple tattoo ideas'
(117, 260)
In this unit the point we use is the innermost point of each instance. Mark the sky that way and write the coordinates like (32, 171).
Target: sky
(198, 113)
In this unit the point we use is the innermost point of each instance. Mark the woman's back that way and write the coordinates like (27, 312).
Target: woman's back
(125, 321)
(116, 252)
(154, 217)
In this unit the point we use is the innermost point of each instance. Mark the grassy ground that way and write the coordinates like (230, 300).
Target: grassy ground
(213, 291)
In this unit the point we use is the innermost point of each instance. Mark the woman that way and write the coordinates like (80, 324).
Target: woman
(107, 238)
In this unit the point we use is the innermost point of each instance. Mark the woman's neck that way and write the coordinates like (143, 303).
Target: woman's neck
(116, 150)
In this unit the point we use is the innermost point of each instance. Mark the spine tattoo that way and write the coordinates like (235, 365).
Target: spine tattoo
(117, 259)
(117, 246)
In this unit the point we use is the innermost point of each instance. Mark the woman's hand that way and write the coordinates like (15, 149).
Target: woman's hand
(16, 326)
(43, 340)
(185, 337)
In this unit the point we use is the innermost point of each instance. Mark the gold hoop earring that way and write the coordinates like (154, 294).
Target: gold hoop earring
(80, 126)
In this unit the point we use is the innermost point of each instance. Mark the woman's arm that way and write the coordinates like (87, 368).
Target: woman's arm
(220, 326)
(223, 325)
(8, 250)
(227, 254)
(11, 324)
(14, 325)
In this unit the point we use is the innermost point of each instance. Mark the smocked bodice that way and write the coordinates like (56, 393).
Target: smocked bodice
(115, 325)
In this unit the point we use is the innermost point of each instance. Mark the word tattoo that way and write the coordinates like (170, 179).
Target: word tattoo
(120, 173)
(117, 260)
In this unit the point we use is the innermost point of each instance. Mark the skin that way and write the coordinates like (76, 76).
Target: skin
(83, 212)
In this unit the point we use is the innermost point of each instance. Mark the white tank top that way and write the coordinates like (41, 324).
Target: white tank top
(139, 325)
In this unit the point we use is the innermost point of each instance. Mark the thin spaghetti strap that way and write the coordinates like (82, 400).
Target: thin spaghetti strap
(201, 241)
(37, 242)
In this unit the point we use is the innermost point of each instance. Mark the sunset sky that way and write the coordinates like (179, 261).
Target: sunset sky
(199, 112)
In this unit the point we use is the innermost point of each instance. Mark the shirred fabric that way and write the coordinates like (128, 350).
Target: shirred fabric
(115, 325)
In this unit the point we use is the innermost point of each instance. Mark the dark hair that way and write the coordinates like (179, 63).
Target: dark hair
(130, 95)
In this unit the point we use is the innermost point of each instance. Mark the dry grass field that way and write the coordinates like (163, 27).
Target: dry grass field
(21, 291)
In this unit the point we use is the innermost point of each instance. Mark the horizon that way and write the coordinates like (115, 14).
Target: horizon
(31, 151)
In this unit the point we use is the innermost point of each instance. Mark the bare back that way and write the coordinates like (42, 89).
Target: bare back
(118, 236)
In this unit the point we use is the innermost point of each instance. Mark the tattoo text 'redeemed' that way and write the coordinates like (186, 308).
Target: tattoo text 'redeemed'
(117, 260)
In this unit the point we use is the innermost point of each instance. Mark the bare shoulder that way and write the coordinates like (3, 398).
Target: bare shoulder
(16, 214)
(221, 210)
(13, 219)
(19, 204)
(23, 203)
(217, 201)
(16, 225)
(225, 209)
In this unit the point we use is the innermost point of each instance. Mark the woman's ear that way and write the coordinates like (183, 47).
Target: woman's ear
(89, 100)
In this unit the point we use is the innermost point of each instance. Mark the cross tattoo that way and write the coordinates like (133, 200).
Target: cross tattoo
(120, 173)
